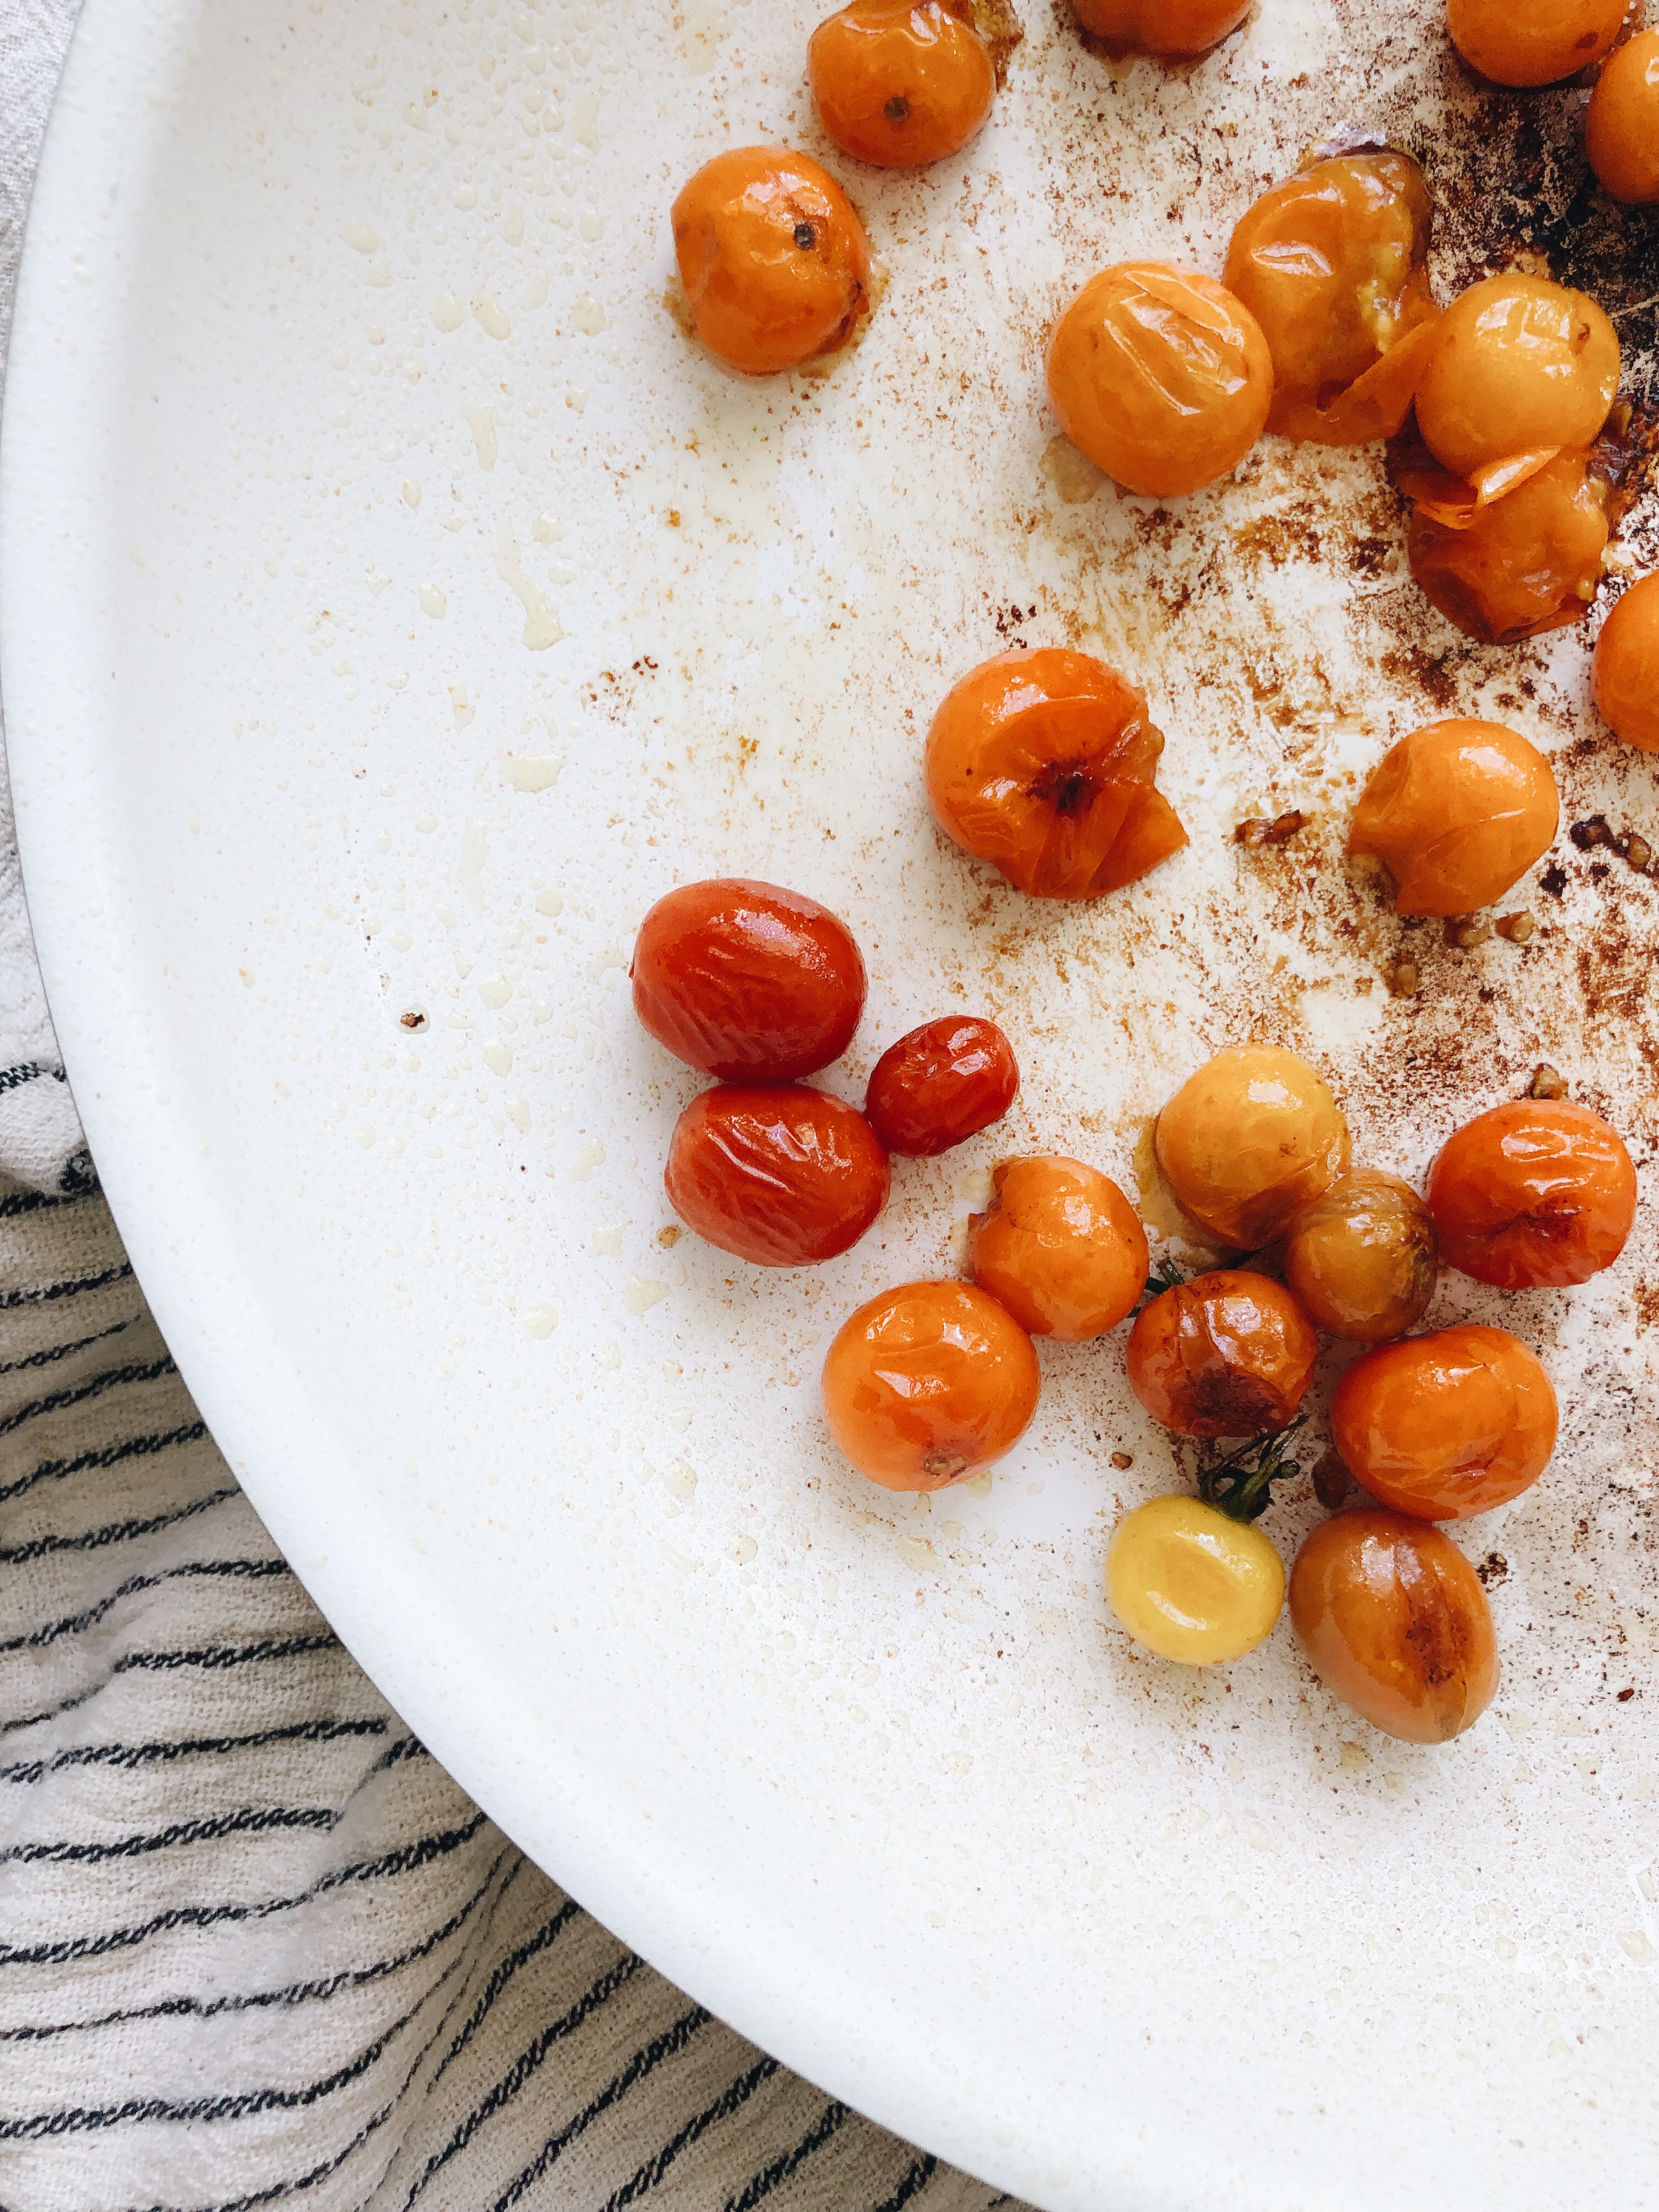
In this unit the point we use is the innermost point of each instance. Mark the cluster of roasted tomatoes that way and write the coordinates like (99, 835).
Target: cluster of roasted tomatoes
(930, 1382)
(1501, 414)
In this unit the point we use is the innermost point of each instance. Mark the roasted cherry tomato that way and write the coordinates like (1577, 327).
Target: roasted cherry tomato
(773, 257)
(1363, 1260)
(1061, 1247)
(1625, 672)
(1042, 764)
(1537, 1191)
(1176, 29)
(1621, 131)
(1160, 376)
(941, 1084)
(1248, 1141)
(1518, 364)
(777, 1173)
(1227, 1354)
(927, 1383)
(747, 981)
(1444, 1425)
(1529, 42)
(1333, 265)
(1511, 568)
(1191, 1585)
(1457, 813)
(900, 82)
(1395, 1622)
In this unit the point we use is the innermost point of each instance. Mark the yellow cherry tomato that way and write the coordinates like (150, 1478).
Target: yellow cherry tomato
(1190, 1584)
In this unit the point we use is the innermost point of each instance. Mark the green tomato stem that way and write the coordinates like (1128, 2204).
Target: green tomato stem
(1241, 1485)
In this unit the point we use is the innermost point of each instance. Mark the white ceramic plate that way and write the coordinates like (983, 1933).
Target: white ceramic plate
(343, 384)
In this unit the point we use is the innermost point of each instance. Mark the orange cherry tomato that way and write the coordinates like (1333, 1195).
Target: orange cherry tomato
(1537, 1191)
(1227, 1354)
(1457, 813)
(747, 981)
(1363, 1260)
(773, 257)
(1177, 29)
(1444, 1425)
(1393, 1621)
(1042, 764)
(1248, 1141)
(1160, 376)
(1333, 265)
(941, 1084)
(1621, 131)
(1517, 364)
(900, 82)
(927, 1383)
(1531, 42)
(1625, 670)
(1515, 566)
(776, 1173)
(1060, 1246)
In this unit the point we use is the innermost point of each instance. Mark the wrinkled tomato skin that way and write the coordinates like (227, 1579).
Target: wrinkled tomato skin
(1625, 670)
(1227, 1354)
(747, 981)
(1518, 363)
(1333, 264)
(1457, 812)
(1041, 763)
(1160, 376)
(1393, 1621)
(1447, 1425)
(940, 1085)
(1060, 1246)
(1536, 1192)
(1528, 563)
(927, 1383)
(900, 82)
(1363, 1261)
(778, 1173)
(773, 257)
(1251, 1140)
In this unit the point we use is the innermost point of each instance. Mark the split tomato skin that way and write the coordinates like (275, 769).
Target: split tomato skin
(747, 981)
(928, 1382)
(778, 1173)
(1041, 763)
(940, 1085)
(1518, 363)
(1448, 1424)
(1393, 1619)
(1227, 1354)
(1536, 1192)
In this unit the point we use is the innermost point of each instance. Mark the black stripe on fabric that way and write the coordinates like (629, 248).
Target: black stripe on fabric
(830, 2120)
(52, 1292)
(161, 1661)
(28, 1071)
(187, 1747)
(74, 1623)
(293, 1994)
(668, 2044)
(50, 1353)
(500, 1976)
(525, 2065)
(56, 1401)
(116, 1532)
(404, 1860)
(18, 1202)
(246, 1820)
(731, 2100)
(912, 2185)
(57, 1470)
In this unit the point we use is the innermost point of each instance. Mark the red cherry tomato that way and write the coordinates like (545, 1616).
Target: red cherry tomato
(778, 1173)
(1537, 1191)
(747, 981)
(941, 1084)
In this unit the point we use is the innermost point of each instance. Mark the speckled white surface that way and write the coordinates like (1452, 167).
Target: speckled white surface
(394, 605)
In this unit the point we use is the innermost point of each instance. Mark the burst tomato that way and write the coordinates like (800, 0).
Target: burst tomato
(1457, 813)
(1061, 1247)
(1227, 1354)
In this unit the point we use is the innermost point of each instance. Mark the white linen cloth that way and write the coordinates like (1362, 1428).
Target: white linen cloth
(255, 1946)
